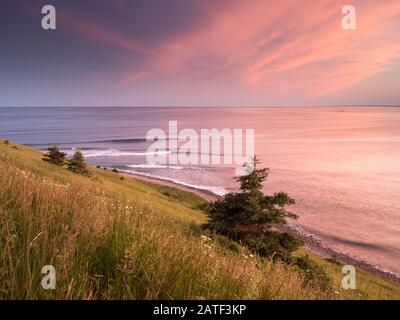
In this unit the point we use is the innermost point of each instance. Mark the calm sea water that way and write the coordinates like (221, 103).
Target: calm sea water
(342, 165)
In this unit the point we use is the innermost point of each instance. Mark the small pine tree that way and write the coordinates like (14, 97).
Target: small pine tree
(246, 217)
(250, 207)
(55, 156)
(77, 163)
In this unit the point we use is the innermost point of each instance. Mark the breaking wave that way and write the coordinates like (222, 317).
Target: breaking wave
(219, 191)
(155, 166)
(114, 153)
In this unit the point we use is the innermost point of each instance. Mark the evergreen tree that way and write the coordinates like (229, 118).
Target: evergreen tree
(250, 207)
(247, 217)
(77, 163)
(55, 156)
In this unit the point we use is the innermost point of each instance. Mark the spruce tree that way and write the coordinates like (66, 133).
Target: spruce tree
(250, 207)
(77, 163)
(54, 156)
(247, 217)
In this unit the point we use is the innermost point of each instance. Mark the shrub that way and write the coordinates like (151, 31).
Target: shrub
(6, 142)
(54, 156)
(250, 206)
(227, 243)
(247, 216)
(313, 272)
(77, 164)
(271, 243)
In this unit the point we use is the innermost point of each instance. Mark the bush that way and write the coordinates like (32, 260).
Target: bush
(227, 243)
(313, 272)
(250, 207)
(271, 243)
(6, 142)
(247, 217)
(115, 170)
(55, 156)
(77, 164)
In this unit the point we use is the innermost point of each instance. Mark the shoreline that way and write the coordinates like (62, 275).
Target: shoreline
(314, 246)
(205, 194)
(310, 243)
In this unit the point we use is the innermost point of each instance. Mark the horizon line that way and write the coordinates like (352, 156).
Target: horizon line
(210, 106)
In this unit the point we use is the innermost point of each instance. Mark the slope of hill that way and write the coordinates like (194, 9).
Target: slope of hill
(110, 237)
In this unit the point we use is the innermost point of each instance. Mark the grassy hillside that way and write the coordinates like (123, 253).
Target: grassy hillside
(110, 238)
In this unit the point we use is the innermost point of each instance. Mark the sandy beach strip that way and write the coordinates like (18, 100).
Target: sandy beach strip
(207, 195)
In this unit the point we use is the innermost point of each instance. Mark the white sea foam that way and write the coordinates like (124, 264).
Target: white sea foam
(113, 153)
(155, 166)
(219, 191)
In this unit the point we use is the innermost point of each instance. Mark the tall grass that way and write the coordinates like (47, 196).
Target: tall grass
(107, 247)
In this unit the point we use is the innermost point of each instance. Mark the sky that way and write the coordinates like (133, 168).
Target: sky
(199, 53)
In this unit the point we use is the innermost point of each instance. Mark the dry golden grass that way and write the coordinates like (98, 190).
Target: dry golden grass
(114, 239)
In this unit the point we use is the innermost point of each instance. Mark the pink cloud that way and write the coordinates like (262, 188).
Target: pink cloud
(289, 45)
(274, 46)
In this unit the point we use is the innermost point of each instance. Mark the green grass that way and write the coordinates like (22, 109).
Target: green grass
(369, 285)
(127, 239)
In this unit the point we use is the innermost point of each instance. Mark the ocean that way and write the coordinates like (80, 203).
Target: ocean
(341, 164)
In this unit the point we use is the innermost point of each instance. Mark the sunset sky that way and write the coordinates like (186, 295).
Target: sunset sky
(199, 53)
